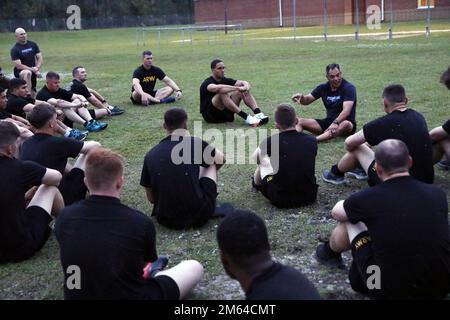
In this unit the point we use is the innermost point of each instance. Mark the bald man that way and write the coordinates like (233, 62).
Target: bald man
(397, 232)
(27, 59)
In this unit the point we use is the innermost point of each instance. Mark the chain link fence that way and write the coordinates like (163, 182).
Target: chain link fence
(44, 24)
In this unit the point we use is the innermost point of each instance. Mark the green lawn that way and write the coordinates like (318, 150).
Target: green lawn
(276, 69)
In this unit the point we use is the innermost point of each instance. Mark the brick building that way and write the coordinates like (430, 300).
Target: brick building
(273, 13)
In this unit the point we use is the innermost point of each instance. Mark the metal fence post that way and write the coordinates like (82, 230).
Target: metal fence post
(209, 40)
(294, 18)
(357, 20)
(215, 36)
(325, 20)
(242, 33)
(159, 37)
(391, 25)
(427, 33)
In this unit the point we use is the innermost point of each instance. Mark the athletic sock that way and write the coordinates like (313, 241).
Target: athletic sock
(243, 115)
(257, 111)
(330, 251)
(335, 170)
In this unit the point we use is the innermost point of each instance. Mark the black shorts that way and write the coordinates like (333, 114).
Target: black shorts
(72, 186)
(363, 257)
(161, 288)
(374, 179)
(199, 217)
(33, 78)
(326, 123)
(213, 115)
(284, 200)
(36, 235)
(153, 94)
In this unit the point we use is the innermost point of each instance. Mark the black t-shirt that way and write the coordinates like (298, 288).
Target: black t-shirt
(411, 128)
(293, 158)
(408, 223)
(4, 114)
(207, 96)
(110, 243)
(78, 87)
(147, 78)
(25, 53)
(446, 126)
(334, 100)
(282, 283)
(49, 151)
(16, 104)
(44, 94)
(175, 186)
(17, 177)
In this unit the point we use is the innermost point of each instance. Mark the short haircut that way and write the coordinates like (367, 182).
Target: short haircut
(393, 156)
(2, 89)
(445, 78)
(16, 83)
(175, 118)
(214, 63)
(394, 93)
(75, 70)
(103, 166)
(40, 115)
(51, 75)
(243, 235)
(332, 66)
(8, 134)
(19, 31)
(147, 53)
(285, 116)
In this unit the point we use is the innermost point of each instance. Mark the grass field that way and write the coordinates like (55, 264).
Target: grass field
(276, 69)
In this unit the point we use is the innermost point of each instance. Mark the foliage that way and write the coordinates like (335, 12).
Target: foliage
(27, 9)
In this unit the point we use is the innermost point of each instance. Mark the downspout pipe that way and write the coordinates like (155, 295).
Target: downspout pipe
(280, 7)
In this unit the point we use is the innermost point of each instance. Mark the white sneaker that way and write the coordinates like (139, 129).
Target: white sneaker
(252, 121)
(262, 117)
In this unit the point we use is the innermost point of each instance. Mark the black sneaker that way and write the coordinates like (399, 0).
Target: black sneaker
(78, 135)
(328, 259)
(154, 267)
(444, 164)
(358, 174)
(223, 210)
(264, 119)
(330, 177)
(168, 100)
(255, 187)
(116, 111)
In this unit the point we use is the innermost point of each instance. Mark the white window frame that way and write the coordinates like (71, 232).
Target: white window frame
(425, 6)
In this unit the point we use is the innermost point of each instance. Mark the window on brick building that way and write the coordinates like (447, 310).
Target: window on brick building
(422, 4)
